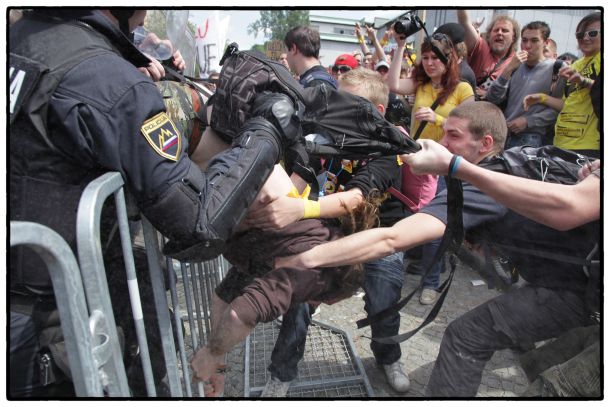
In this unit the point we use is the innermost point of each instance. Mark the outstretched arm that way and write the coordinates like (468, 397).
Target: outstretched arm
(370, 244)
(562, 207)
(208, 362)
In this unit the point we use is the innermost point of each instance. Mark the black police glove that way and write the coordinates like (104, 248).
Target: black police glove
(280, 110)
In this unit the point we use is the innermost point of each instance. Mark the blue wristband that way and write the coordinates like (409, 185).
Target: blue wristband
(454, 164)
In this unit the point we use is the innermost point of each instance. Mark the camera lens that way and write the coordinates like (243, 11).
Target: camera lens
(407, 26)
(399, 28)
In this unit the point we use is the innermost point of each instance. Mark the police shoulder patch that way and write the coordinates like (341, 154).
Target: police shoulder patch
(162, 135)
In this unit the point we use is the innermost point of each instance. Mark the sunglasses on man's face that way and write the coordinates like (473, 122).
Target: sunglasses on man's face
(590, 34)
(341, 68)
(382, 69)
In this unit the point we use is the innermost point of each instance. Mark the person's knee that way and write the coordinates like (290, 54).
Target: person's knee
(380, 292)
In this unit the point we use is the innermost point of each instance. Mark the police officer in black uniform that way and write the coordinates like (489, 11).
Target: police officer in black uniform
(79, 108)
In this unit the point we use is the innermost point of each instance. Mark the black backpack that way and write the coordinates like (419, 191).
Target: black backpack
(349, 125)
(546, 163)
(555, 165)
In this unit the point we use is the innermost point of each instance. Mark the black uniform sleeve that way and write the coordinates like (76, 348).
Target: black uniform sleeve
(478, 208)
(380, 173)
(107, 127)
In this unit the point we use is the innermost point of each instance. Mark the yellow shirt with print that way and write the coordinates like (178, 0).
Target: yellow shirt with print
(425, 96)
(577, 125)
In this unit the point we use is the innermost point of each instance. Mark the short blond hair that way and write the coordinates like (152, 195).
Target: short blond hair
(484, 118)
(370, 84)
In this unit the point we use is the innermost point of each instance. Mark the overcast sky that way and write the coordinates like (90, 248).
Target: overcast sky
(240, 19)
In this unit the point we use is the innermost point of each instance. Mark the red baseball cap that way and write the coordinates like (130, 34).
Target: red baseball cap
(347, 59)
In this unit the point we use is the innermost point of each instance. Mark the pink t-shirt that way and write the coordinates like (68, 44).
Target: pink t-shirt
(482, 61)
(420, 189)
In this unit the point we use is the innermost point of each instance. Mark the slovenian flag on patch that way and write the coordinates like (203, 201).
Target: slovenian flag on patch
(162, 135)
(169, 143)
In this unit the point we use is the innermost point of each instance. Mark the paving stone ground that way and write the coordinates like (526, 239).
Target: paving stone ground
(502, 377)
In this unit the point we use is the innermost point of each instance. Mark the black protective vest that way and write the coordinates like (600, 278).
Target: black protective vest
(45, 184)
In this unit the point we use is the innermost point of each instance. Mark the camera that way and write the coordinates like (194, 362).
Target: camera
(408, 25)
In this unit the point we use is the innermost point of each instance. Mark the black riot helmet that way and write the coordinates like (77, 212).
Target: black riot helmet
(123, 15)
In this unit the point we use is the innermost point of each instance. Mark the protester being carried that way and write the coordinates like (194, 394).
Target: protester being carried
(345, 184)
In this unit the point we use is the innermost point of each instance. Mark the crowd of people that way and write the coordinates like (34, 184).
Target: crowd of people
(466, 95)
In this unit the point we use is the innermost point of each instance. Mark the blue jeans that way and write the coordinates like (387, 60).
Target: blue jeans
(429, 249)
(382, 285)
(532, 140)
(519, 317)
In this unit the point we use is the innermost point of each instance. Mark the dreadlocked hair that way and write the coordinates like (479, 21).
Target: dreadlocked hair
(362, 217)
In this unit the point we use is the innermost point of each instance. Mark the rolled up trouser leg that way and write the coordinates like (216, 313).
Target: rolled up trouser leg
(230, 184)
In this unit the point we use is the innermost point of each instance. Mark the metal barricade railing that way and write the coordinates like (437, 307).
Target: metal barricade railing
(94, 274)
(192, 293)
(70, 299)
(95, 354)
(196, 284)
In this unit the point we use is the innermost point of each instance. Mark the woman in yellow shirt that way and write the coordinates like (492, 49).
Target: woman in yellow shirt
(436, 76)
(577, 126)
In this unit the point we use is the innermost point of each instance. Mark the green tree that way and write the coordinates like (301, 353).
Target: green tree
(258, 47)
(155, 22)
(274, 24)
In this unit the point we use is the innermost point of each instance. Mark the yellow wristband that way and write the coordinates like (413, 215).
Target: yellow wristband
(438, 120)
(543, 98)
(312, 209)
(384, 42)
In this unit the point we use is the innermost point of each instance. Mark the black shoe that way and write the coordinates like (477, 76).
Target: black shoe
(414, 267)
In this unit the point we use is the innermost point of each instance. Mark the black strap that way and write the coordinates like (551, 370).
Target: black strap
(444, 289)
(495, 68)
(549, 255)
(423, 124)
(451, 241)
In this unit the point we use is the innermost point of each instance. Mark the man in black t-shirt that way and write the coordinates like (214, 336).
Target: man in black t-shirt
(552, 302)
(303, 52)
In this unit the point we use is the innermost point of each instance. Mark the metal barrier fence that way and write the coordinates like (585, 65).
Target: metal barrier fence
(68, 287)
(85, 308)
(83, 299)
(196, 282)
